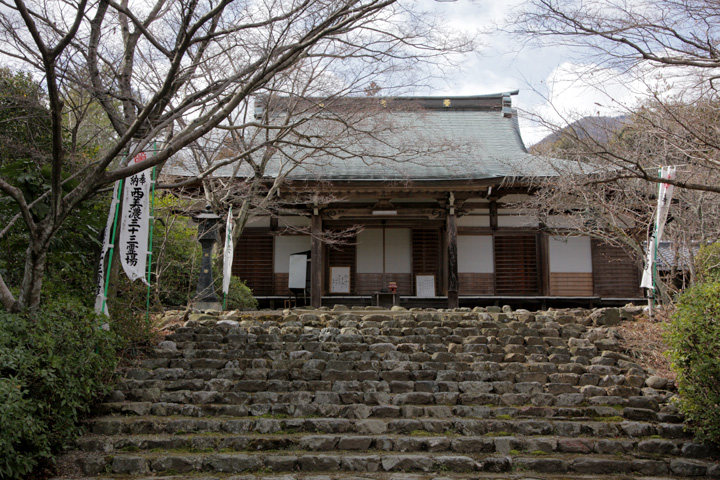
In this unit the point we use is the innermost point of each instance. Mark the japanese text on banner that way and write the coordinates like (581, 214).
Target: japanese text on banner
(134, 228)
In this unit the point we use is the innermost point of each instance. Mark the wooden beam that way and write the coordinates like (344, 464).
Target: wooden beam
(316, 266)
(392, 188)
(493, 215)
(453, 279)
(403, 212)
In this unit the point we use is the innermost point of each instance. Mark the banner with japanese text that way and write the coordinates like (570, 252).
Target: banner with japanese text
(665, 193)
(135, 223)
(100, 303)
(228, 254)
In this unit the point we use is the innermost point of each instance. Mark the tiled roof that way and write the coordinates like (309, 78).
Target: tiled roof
(470, 138)
(670, 255)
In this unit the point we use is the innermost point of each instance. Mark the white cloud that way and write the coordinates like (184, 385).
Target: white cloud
(572, 91)
(552, 82)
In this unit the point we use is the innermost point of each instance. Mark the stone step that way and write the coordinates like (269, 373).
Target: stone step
(540, 369)
(136, 425)
(380, 341)
(378, 395)
(515, 361)
(440, 404)
(389, 348)
(343, 393)
(397, 381)
(435, 376)
(276, 406)
(409, 340)
(370, 462)
(417, 441)
(628, 401)
(471, 331)
(516, 475)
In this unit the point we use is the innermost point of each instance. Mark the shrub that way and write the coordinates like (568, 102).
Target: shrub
(176, 254)
(52, 366)
(693, 338)
(707, 263)
(239, 297)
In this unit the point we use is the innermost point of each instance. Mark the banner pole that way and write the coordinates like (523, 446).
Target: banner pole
(657, 242)
(150, 242)
(227, 257)
(663, 173)
(112, 245)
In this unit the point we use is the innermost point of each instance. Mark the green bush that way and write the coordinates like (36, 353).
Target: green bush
(71, 259)
(52, 366)
(693, 338)
(239, 297)
(707, 263)
(175, 261)
(176, 254)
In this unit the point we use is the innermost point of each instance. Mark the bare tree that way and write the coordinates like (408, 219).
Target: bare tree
(670, 48)
(248, 167)
(597, 197)
(665, 52)
(168, 73)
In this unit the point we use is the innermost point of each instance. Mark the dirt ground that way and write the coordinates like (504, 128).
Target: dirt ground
(643, 340)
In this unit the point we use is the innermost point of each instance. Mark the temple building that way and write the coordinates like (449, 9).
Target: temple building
(429, 200)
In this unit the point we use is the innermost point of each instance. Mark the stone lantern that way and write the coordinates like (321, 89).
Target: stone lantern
(207, 236)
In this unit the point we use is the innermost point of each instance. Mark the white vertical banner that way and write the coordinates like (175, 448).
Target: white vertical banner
(228, 253)
(135, 223)
(665, 193)
(100, 303)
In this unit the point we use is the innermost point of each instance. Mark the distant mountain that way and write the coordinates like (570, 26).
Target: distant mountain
(599, 128)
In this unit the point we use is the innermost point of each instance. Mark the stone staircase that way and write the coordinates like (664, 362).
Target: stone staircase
(368, 394)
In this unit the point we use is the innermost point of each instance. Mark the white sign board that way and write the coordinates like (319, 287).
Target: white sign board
(425, 286)
(339, 279)
(297, 276)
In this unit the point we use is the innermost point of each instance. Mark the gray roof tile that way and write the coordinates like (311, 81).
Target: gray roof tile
(422, 145)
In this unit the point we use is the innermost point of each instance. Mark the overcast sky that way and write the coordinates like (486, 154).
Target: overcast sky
(504, 64)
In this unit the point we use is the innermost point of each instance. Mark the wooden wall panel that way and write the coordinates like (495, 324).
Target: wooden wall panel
(369, 283)
(477, 283)
(280, 284)
(564, 284)
(426, 255)
(253, 260)
(615, 273)
(516, 265)
(341, 256)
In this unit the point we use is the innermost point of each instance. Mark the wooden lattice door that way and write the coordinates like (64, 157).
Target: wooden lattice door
(516, 265)
(253, 260)
(426, 253)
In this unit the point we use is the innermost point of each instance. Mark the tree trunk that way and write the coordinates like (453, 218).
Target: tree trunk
(6, 297)
(30, 289)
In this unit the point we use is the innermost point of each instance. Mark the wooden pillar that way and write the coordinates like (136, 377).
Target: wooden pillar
(316, 272)
(543, 264)
(493, 215)
(453, 280)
